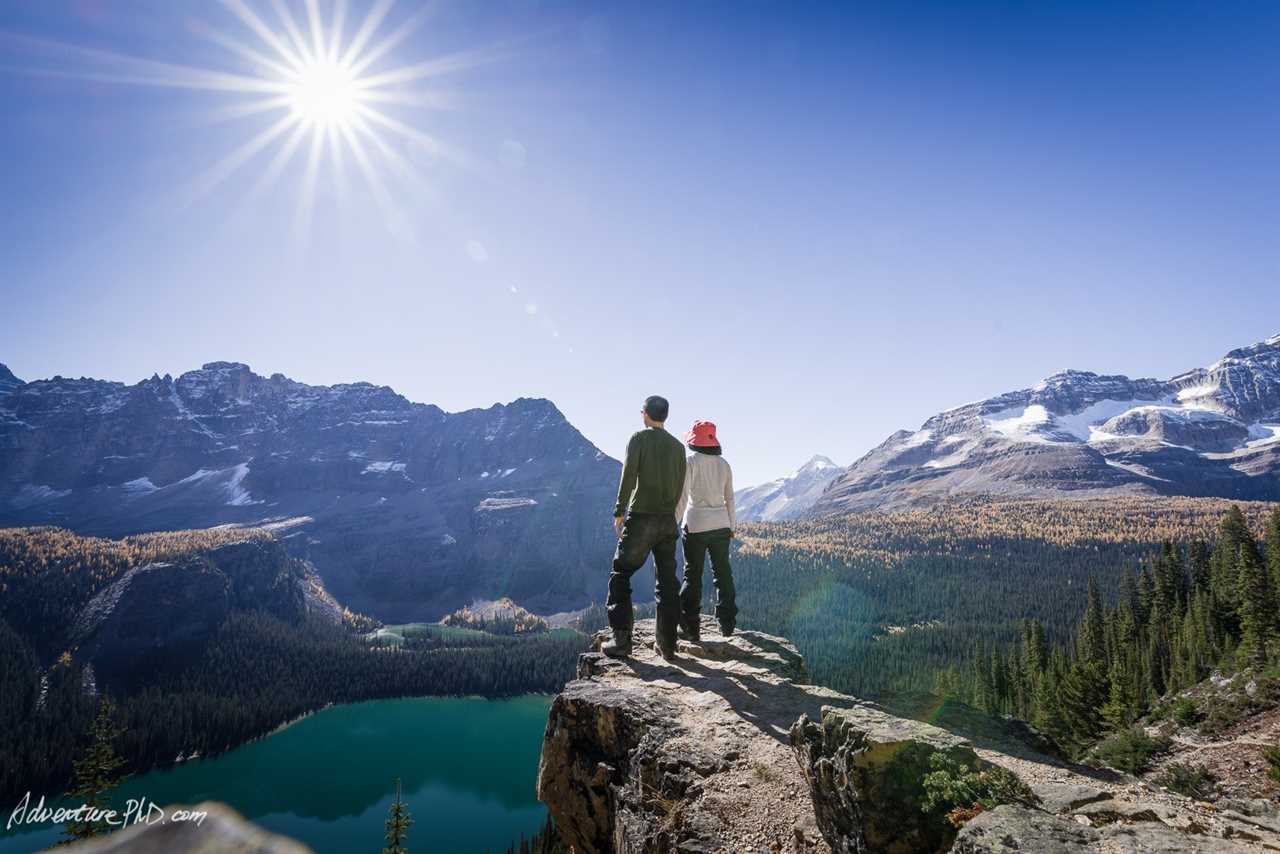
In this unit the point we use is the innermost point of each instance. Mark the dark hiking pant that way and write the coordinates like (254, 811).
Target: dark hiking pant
(696, 547)
(643, 533)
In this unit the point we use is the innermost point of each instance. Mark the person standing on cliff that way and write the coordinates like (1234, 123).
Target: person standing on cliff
(708, 522)
(645, 520)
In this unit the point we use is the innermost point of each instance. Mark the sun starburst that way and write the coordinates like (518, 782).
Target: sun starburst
(324, 97)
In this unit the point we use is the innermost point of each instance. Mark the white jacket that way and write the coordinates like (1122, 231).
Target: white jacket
(706, 502)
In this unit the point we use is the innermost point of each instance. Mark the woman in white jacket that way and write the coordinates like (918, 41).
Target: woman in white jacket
(706, 513)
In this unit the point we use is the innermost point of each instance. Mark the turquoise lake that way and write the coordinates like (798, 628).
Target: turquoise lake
(467, 768)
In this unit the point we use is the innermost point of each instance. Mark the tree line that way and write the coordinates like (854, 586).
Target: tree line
(880, 603)
(1191, 609)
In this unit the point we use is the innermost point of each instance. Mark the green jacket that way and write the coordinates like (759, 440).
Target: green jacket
(653, 475)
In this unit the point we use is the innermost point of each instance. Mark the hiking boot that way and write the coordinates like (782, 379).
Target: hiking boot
(667, 654)
(619, 646)
(691, 633)
(726, 629)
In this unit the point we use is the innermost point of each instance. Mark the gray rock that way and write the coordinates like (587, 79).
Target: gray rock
(865, 772)
(1007, 829)
(728, 748)
(642, 755)
(222, 831)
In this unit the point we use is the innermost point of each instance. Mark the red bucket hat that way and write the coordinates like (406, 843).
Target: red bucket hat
(702, 435)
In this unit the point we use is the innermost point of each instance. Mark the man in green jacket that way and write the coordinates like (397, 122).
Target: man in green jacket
(645, 521)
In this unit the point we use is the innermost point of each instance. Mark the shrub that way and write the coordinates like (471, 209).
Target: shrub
(1272, 755)
(963, 791)
(1184, 711)
(1130, 750)
(1194, 781)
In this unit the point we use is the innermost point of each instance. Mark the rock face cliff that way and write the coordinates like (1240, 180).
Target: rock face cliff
(729, 748)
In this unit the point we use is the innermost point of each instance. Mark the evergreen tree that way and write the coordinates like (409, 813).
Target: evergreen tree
(1256, 604)
(1093, 643)
(1273, 557)
(1146, 594)
(1233, 532)
(1035, 650)
(398, 821)
(1198, 557)
(1082, 694)
(97, 772)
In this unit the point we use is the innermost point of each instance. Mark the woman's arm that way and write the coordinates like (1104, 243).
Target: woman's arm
(728, 494)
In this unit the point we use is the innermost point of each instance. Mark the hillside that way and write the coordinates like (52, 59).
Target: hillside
(406, 511)
(880, 601)
(203, 640)
(1211, 431)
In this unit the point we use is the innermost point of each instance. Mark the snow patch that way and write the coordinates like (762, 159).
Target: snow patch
(237, 495)
(139, 486)
(917, 439)
(35, 493)
(383, 466)
(1019, 422)
(489, 504)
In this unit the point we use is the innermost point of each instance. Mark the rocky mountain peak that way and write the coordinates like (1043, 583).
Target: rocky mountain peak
(1212, 431)
(816, 463)
(729, 748)
(787, 497)
(373, 473)
(7, 379)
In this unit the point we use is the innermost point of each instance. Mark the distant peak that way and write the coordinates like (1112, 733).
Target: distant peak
(224, 366)
(818, 461)
(6, 376)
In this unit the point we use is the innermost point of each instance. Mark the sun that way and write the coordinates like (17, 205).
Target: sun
(325, 94)
(323, 88)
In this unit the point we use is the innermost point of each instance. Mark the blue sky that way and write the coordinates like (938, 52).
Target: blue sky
(813, 224)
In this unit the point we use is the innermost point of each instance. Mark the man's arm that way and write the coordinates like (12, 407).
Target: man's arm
(630, 469)
(684, 497)
(728, 495)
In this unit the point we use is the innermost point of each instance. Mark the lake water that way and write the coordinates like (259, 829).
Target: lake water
(467, 768)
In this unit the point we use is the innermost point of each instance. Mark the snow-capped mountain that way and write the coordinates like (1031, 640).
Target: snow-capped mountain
(407, 511)
(1213, 431)
(787, 497)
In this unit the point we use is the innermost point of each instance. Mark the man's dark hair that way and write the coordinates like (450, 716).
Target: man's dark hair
(656, 408)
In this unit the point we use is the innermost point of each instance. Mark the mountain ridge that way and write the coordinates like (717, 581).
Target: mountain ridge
(407, 511)
(1211, 431)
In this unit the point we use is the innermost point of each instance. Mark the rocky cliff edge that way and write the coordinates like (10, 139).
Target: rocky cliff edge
(730, 748)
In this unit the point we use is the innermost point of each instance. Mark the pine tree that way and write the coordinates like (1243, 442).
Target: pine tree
(1093, 641)
(1121, 708)
(1198, 557)
(1082, 694)
(398, 821)
(1257, 606)
(1233, 532)
(1146, 593)
(1273, 557)
(1035, 651)
(97, 772)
